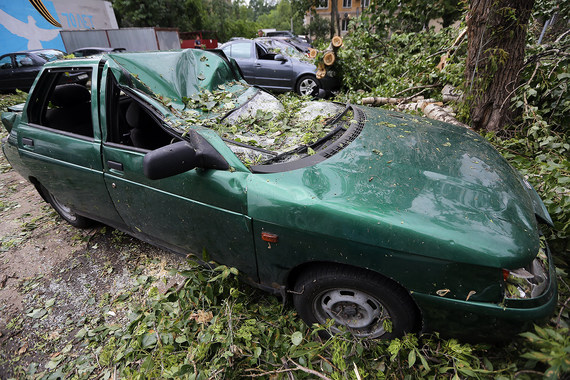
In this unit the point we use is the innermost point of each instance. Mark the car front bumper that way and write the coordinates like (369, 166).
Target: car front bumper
(483, 321)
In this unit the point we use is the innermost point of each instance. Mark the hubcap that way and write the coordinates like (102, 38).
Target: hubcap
(361, 313)
(307, 86)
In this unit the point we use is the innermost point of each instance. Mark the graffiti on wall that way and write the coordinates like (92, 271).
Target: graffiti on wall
(25, 27)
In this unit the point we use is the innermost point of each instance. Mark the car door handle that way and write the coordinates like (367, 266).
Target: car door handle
(258, 65)
(27, 141)
(115, 165)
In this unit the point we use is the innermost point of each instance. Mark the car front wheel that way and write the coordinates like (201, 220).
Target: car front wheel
(363, 303)
(66, 212)
(307, 85)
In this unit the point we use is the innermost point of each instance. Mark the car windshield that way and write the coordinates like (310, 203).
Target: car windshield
(50, 55)
(204, 92)
(282, 47)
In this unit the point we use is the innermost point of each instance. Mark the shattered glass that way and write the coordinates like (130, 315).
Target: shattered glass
(200, 89)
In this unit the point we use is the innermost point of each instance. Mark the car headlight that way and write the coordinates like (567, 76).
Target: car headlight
(530, 281)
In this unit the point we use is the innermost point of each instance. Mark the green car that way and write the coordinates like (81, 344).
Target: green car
(383, 222)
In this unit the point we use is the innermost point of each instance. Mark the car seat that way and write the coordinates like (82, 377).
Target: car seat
(145, 133)
(71, 110)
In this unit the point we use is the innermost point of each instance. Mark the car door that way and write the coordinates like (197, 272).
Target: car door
(244, 54)
(6, 72)
(59, 143)
(201, 211)
(271, 73)
(25, 71)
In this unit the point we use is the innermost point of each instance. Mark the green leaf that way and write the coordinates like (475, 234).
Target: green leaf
(296, 338)
(148, 340)
(411, 358)
(37, 313)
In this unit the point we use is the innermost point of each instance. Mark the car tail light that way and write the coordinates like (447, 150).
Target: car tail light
(528, 282)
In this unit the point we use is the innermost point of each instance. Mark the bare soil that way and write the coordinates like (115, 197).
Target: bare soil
(55, 279)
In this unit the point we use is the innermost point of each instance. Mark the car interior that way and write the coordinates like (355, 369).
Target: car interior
(131, 124)
(69, 109)
(263, 53)
(63, 102)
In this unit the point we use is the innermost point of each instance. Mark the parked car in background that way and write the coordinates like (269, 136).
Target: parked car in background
(264, 67)
(379, 221)
(90, 51)
(19, 70)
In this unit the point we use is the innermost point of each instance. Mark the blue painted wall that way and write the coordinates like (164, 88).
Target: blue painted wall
(22, 27)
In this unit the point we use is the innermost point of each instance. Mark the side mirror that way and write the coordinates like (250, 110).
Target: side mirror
(181, 157)
(279, 57)
(169, 160)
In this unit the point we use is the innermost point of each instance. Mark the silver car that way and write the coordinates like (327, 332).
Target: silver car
(277, 71)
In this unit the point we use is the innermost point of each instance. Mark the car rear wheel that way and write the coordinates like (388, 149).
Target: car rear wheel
(307, 85)
(368, 305)
(66, 212)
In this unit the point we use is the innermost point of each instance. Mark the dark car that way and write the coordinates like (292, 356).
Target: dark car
(19, 70)
(380, 221)
(90, 51)
(274, 71)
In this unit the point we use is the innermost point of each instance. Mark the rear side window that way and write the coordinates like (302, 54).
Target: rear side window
(239, 50)
(23, 60)
(62, 101)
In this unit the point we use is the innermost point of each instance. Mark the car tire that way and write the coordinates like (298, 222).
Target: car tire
(307, 85)
(67, 212)
(357, 299)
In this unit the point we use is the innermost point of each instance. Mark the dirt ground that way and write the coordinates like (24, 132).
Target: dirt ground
(55, 278)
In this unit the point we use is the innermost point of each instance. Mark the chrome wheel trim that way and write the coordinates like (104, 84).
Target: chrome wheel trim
(307, 86)
(362, 314)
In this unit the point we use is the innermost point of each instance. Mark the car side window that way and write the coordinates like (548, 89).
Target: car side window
(62, 101)
(23, 60)
(6, 62)
(132, 124)
(240, 50)
(263, 53)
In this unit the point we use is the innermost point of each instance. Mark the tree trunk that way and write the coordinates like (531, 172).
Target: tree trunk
(334, 15)
(496, 32)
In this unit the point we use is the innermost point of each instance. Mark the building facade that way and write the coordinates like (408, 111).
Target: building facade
(36, 24)
(346, 10)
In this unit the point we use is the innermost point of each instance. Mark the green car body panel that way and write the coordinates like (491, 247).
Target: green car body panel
(429, 205)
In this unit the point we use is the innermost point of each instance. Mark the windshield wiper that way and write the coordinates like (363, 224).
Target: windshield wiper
(337, 129)
(244, 145)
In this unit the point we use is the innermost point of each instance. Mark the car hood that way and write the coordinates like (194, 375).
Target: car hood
(413, 185)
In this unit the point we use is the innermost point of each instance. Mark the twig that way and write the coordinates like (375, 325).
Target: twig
(356, 371)
(562, 36)
(274, 372)
(326, 360)
(415, 88)
(309, 371)
(527, 82)
(560, 313)
(289, 374)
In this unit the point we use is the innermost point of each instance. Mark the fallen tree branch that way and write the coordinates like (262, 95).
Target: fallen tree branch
(417, 88)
